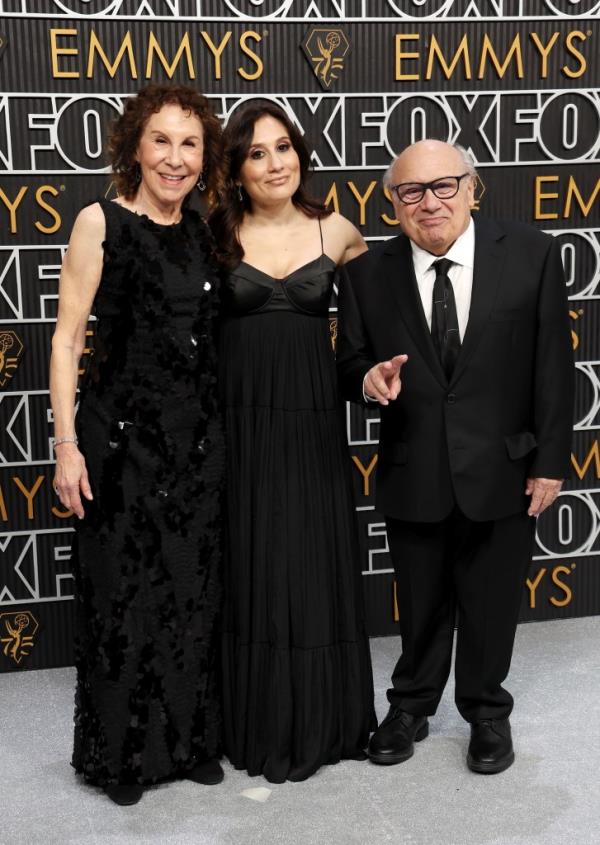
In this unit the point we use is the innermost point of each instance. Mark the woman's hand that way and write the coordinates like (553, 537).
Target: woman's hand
(71, 478)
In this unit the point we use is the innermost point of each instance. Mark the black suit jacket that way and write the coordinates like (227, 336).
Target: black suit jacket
(506, 412)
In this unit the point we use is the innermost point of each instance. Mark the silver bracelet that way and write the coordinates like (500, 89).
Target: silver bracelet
(57, 441)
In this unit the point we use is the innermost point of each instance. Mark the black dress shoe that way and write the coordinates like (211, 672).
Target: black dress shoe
(491, 749)
(124, 794)
(209, 773)
(393, 741)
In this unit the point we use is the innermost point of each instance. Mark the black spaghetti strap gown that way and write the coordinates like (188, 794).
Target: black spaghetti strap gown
(147, 557)
(297, 680)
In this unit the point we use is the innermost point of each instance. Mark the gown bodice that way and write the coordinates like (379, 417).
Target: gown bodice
(307, 290)
(156, 298)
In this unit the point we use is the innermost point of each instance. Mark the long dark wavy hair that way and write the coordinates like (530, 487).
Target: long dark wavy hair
(227, 216)
(127, 129)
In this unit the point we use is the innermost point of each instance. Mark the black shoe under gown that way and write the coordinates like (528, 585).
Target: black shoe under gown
(297, 681)
(147, 559)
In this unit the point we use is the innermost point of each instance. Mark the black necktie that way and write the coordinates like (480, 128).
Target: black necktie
(444, 321)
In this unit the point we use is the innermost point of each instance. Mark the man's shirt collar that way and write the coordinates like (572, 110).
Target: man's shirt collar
(461, 252)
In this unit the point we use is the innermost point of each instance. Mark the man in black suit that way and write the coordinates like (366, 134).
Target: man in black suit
(473, 444)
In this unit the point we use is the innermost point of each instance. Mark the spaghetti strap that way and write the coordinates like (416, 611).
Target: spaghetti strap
(321, 234)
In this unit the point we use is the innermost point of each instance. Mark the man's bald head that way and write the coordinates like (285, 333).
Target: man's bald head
(434, 222)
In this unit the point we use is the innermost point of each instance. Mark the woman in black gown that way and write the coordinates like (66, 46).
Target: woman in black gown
(296, 665)
(150, 454)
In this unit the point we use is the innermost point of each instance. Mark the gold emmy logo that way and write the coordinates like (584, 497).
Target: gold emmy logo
(333, 331)
(21, 628)
(2, 44)
(11, 350)
(575, 315)
(326, 50)
(479, 192)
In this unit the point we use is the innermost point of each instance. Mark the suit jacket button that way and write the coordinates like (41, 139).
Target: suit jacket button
(451, 398)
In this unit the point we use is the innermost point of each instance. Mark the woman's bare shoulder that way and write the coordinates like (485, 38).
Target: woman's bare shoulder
(343, 237)
(90, 223)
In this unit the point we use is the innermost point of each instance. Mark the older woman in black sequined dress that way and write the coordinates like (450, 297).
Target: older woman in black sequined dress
(141, 465)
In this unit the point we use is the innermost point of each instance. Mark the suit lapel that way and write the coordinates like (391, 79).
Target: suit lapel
(487, 270)
(398, 269)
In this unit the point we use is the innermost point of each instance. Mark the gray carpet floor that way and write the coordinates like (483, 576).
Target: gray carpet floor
(551, 795)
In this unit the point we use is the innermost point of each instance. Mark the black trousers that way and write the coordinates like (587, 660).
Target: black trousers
(464, 572)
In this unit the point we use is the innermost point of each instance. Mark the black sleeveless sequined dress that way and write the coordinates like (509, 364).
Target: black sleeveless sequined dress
(297, 682)
(147, 557)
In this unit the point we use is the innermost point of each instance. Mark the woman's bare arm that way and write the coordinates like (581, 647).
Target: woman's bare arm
(342, 240)
(79, 280)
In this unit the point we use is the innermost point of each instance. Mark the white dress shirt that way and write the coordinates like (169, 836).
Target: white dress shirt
(462, 255)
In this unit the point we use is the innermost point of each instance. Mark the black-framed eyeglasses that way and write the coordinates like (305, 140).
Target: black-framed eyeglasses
(443, 188)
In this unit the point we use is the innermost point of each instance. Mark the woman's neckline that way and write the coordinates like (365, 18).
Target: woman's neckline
(304, 266)
(151, 220)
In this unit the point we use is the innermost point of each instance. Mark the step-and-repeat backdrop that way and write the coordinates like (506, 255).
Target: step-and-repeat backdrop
(514, 81)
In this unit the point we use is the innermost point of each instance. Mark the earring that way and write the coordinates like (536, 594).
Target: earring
(137, 173)
(240, 194)
(201, 184)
